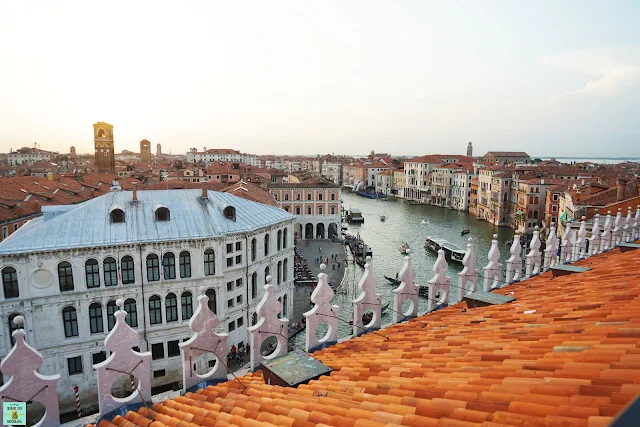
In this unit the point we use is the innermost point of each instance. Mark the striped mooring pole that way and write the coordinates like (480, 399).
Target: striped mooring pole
(75, 388)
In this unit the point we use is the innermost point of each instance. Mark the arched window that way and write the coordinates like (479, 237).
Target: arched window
(70, 322)
(65, 276)
(320, 210)
(163, 214)
(254, 319)
(132, 312)
(96, 325)
(169, 266)
(279, 240)
(285, 266)
(111, 311)
(213, 304)
(171, 307)
(284, 305)
(185, 264)
(13, 327)
(285, 237)
(279, 273)
(230, 213)
(535, 214)
(153, 268)
(92, 273)
(254, 285)
(117, 215)
(10, 282)
(209, 262)
(333, 210)
(128, 270)
(536, 200)
(254, 249)
(110, 272)
(186, 301)
(155, 310)
(266, 244)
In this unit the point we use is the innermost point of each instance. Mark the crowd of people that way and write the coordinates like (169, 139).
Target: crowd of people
(301, 271)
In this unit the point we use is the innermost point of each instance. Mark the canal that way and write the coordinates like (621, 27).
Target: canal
(412, 224)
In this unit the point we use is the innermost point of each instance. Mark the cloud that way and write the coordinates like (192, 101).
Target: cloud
(611, 70)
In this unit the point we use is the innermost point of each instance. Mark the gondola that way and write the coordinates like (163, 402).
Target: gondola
(466, 231)
(393, 281)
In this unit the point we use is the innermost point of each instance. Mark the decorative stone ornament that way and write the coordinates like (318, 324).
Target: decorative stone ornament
(493, 270)
(617, 230)
(468, 277)
(203, 341)
(636, 225)
(594, 241)
(606, 234)
(26, 383)
(627, 234)
(534, 257)
(268, 325)
(368, 299)
(322, 312)
(568, 242)
(581, 242)
(439, 284)
(407, 290)
(514, 263)
(122, 361)
(551, 251)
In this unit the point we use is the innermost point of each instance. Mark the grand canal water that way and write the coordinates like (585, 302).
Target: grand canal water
(404, 223)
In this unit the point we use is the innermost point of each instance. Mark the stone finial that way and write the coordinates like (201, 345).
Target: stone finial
(594, 241)
(406, 290)
(627, 233)
(493, 270)
(368, 299)
(568, 242)
(551, 251)
(581, 242)
(514, 263)
(534, 257)
(439, 283)
(322, 312)
(468, 277)
(616, 235)
(268, 325)
(123, 358)
(636, 225)
(204, 340)
(606, 233)
(26, 383)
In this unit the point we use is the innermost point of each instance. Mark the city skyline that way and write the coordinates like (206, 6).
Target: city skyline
(407, 78)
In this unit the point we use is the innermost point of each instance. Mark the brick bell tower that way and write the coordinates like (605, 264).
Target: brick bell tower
(145, 151)
(105, 152)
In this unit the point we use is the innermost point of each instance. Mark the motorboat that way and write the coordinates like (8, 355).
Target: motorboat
(451, 251)
(354, 215)
(465, 231)
(404, 247)
(383, 218)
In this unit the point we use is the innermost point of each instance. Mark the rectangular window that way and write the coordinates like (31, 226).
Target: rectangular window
(171, 305)
(209, 262)
(173, 349)
(239, 283)
(169, 266)
(308, 210)
(159, 373)
(157, 351)
(229, 248)
(232, 326)
(230, 262)
(75, 365)
(238, 259)
(99, 357)
(230, 303)
(229, 286)
(155, 311)
(153, 269)
(240, 321)
(238, 246)
(5, 232)
(15, 227)
(185, 264)
(128, 272)
(239, 299)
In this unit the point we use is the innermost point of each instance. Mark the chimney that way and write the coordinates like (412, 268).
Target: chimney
(204, 192)
(135, 195)
(621, 187)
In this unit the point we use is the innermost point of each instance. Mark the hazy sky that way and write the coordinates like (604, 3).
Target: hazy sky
(405, 77)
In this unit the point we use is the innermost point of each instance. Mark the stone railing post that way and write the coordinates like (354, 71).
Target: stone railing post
(581, 242)
(617, 230)
(407, 290)
(551, 251)
(268, 325)
(568, 245)
(606, 243)
(627, 232)
(534, 257)
(203, 341)
(26, 383)
(493, 270)
(636, 225)
(513, 269)
(439, 283)
(594, 241)
(468, 277)
(123, 361)
(368, 299)
(322, 312)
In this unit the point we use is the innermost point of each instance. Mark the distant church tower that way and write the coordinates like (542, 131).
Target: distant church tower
(145, 151)
(72, 152)
(158, 150)
(470, 149)
(105, 153)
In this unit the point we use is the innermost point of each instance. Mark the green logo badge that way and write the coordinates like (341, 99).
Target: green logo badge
(14, 413)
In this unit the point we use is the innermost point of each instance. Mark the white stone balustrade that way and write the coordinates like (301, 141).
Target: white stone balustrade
(268, 325)
(616, 236)
(493, 270)
(468, 277)
(123, 361)
(534, 257)
(551, 251)
(636, 224)
(440, 284)
(322, 312)
(581, 241)
(513, 269)
(368, 299)
(26, 383)
(605, 244)
(627, 234)
(568, 245)
(407, 290)
(203, 341)
(595, 240)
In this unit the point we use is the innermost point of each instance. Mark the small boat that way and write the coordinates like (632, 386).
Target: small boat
(465, 231)
(404, 247)
(382, 217)
(451, 251)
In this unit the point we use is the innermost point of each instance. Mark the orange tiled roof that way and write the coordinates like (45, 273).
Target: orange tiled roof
(565, 353)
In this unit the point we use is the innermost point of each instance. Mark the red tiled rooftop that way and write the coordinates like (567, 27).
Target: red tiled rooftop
(565, 353)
